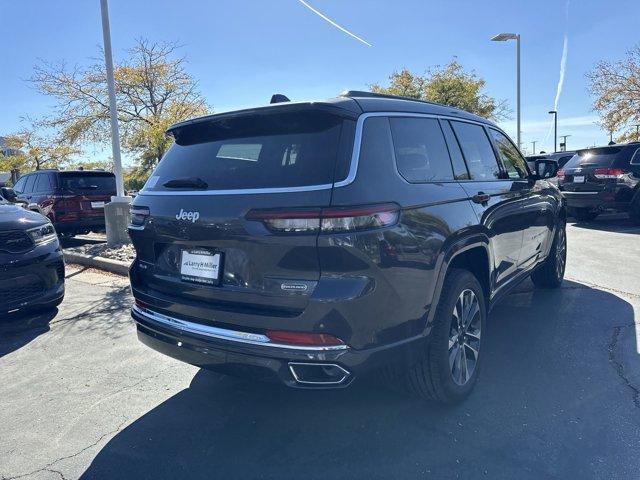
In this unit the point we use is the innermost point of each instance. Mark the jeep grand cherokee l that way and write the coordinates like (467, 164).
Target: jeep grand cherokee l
(312, 242)
(602, 179)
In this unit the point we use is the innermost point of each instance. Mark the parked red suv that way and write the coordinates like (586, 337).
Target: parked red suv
(73, 200)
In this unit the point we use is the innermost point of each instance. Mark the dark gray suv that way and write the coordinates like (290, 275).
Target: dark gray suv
(311, 243)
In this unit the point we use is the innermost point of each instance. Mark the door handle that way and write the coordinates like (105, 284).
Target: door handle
(481, 197)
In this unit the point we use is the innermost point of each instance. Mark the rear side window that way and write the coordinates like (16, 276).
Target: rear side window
(512, 161)
(19, 186)
(88, 183)
(43, 184)
(421, 152)
(28, 186)
(263, 150)
(477, 151)
(460, 171)
(562, 161)
(635, 160)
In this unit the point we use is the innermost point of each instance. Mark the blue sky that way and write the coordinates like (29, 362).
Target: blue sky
(242, 51)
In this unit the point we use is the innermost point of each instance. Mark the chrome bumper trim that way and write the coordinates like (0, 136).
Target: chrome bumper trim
(226, 334)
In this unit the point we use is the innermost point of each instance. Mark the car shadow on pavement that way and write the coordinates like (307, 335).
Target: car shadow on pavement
(555, 399)
(611, 223)
(18, 330)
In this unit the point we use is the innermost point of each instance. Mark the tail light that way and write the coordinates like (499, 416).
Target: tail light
(138, 215)
(604, 173)
(560, 173)
(328, 220)
(300, 338)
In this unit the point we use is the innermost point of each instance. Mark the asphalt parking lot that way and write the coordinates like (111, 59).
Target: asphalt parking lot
(559, 396)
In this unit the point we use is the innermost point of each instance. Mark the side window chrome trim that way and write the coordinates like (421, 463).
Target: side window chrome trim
(353, 168)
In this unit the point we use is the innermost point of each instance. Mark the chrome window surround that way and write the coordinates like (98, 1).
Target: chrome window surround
(226, 334)
(353, 168)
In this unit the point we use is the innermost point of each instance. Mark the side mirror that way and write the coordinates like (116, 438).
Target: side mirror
(546, 168)
(9, 194)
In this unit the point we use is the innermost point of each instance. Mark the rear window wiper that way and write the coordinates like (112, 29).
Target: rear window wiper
(193, 182)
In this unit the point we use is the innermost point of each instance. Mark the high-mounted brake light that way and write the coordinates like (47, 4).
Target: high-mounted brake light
(326, 220)
(299, 338)
(604, 173)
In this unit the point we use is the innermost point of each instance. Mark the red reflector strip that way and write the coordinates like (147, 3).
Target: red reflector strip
(299, 338)
(608, 172)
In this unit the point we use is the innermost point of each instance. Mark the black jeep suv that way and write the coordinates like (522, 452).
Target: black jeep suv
(602, 179)
(313, 242)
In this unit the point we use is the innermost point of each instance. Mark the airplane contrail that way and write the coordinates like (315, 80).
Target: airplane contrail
(324, 17)
(563, 66)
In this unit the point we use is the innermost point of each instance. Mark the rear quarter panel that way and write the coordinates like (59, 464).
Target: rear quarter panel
(400, 264)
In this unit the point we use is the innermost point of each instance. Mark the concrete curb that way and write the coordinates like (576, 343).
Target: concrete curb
(107, 264)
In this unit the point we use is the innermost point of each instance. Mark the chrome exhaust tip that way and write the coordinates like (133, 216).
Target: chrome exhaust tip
(318, 373)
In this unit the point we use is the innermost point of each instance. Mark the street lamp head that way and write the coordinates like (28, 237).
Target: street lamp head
(553, 112)
(503, 37)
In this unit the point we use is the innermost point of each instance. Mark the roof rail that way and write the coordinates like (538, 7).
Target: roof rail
(359, 93)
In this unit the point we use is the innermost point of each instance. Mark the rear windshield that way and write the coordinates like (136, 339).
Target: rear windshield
(595, 157)
(88, 182)
(275, 150)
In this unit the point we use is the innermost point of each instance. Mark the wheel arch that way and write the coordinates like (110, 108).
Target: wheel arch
(472, 253)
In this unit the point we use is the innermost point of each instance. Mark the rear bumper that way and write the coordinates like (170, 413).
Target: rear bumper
(80, 225)
(36, 279)
(603, 200)
(245, 356)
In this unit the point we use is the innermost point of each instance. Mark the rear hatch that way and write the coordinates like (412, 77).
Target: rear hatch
(84, 194)
(205, 216)
(591, 170)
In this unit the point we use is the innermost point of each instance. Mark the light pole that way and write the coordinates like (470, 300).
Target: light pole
(116, 212)
(564, 142)
(534, 146)
(503, 37)
(555, 129)
(637, 132)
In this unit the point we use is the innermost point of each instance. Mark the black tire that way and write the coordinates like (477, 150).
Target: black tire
(432, 378)
(551, 273)
(583, 214)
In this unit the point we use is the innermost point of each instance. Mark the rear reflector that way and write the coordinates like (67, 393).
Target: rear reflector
(299, 338)
(332, 219)
(604, 173)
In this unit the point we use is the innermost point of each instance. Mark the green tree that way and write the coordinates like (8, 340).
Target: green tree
(615, 87)
(449, 85)
(153, 90)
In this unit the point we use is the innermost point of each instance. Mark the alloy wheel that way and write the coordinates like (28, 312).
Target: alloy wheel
(464, 337)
